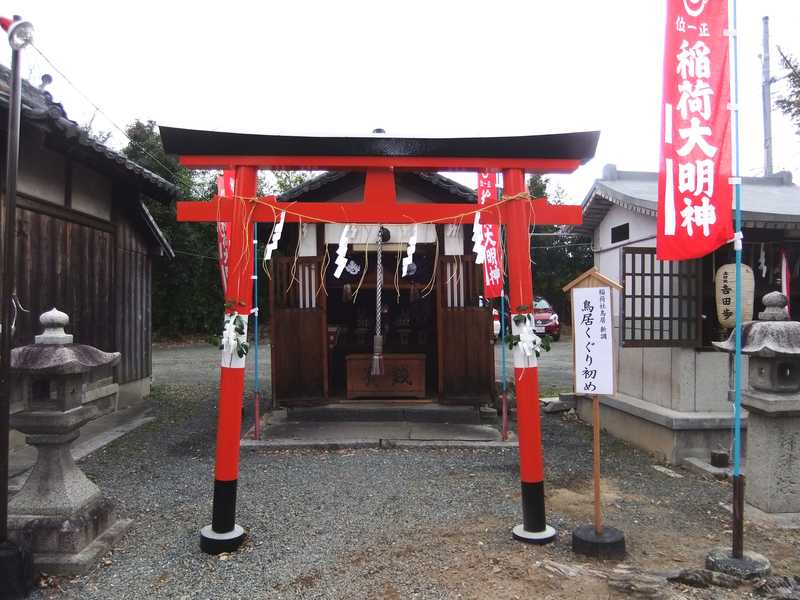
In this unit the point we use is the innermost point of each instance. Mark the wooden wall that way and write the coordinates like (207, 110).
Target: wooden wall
(99, 273)
(132, 303)
(67, 265)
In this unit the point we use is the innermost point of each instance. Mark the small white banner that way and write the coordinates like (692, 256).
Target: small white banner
(594, 350)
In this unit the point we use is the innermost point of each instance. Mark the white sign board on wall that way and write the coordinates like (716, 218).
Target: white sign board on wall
(592, 331)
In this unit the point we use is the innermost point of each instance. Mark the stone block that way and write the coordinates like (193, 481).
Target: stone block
(773, 463)
(711, 382)
(630, 372)
(683, 376)
(657, 376)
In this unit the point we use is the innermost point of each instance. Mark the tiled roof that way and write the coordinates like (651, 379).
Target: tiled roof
(38, 107)
(767, 202)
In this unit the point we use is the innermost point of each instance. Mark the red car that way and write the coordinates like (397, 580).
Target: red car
(546, 319)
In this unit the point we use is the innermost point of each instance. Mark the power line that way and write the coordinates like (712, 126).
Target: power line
(102, 112)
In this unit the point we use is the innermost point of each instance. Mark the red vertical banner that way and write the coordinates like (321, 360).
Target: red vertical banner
(694, 192)
(225, 190)
(493, 263)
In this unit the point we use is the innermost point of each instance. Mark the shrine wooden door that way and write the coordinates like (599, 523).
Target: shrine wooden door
(298, 328)
(466, 348)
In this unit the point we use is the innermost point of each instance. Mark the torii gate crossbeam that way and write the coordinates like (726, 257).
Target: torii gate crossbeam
(379, 158)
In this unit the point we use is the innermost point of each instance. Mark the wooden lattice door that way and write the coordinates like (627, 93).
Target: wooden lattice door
(298, 331)
(466, 349)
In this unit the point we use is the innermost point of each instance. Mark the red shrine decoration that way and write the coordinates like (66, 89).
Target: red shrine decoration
(380, 158)
(694, 190)
(493, 261)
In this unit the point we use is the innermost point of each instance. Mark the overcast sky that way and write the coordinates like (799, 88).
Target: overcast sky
(432, 68)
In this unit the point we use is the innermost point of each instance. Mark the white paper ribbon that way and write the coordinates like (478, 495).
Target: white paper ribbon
(525, 350)
(231, 341)
(341, 252)
(275, 237)
(412, 247)
(478, 242)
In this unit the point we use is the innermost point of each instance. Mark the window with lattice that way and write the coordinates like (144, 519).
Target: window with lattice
(661, 300)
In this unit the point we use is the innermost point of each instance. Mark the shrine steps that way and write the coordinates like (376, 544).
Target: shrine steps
(382, 411)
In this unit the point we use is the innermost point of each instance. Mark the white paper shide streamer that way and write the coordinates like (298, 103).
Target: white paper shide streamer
(341, 252)
(275, 237)
(412, 247)
(477, 239)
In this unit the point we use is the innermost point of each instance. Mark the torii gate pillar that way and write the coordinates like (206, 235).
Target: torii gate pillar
(534, 528)
(224, 535)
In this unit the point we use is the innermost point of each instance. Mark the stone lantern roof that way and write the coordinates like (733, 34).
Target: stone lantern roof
(55, 354)
(772, 335)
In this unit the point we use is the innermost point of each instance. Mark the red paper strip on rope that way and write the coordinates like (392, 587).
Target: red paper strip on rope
(225, 190)
(694, 192)
(493, 264)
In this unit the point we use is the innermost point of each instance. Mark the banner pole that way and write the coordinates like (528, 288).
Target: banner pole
(256, 389)
(738, 479)
(504, 381)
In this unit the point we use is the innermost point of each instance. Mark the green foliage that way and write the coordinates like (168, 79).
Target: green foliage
(790, 104)
(557, 259)
(187, 295)
(187, 290)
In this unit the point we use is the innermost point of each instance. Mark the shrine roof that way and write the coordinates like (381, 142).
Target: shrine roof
(194, 142)
(767, 202)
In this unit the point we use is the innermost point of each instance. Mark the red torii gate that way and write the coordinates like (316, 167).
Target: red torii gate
(380, 157)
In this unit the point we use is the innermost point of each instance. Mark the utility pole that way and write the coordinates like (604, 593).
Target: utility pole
(15, 561)
(766, 98)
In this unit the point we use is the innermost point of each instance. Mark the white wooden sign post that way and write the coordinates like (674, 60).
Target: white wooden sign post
(593, 354)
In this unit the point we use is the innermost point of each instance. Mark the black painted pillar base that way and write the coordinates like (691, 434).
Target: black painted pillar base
(223, 535)
(534, 528)
(16, 571)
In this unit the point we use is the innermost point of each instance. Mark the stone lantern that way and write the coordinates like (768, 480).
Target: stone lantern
(59, 514)
(772, 399)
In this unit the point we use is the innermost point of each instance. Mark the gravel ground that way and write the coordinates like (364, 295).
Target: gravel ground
(424, 524)
(198, 363)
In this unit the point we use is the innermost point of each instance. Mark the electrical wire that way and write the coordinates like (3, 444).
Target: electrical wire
(102, 112)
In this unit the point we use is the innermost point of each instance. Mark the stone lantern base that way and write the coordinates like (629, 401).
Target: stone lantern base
(773, 461)
(69, 545)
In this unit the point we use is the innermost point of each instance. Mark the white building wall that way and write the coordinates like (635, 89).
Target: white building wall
(681, 379)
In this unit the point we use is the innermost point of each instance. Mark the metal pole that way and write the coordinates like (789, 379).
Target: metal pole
(503, 337)
(766, 83)
(738, 480)
(256, 389)
(16, 564)
(7, 284)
